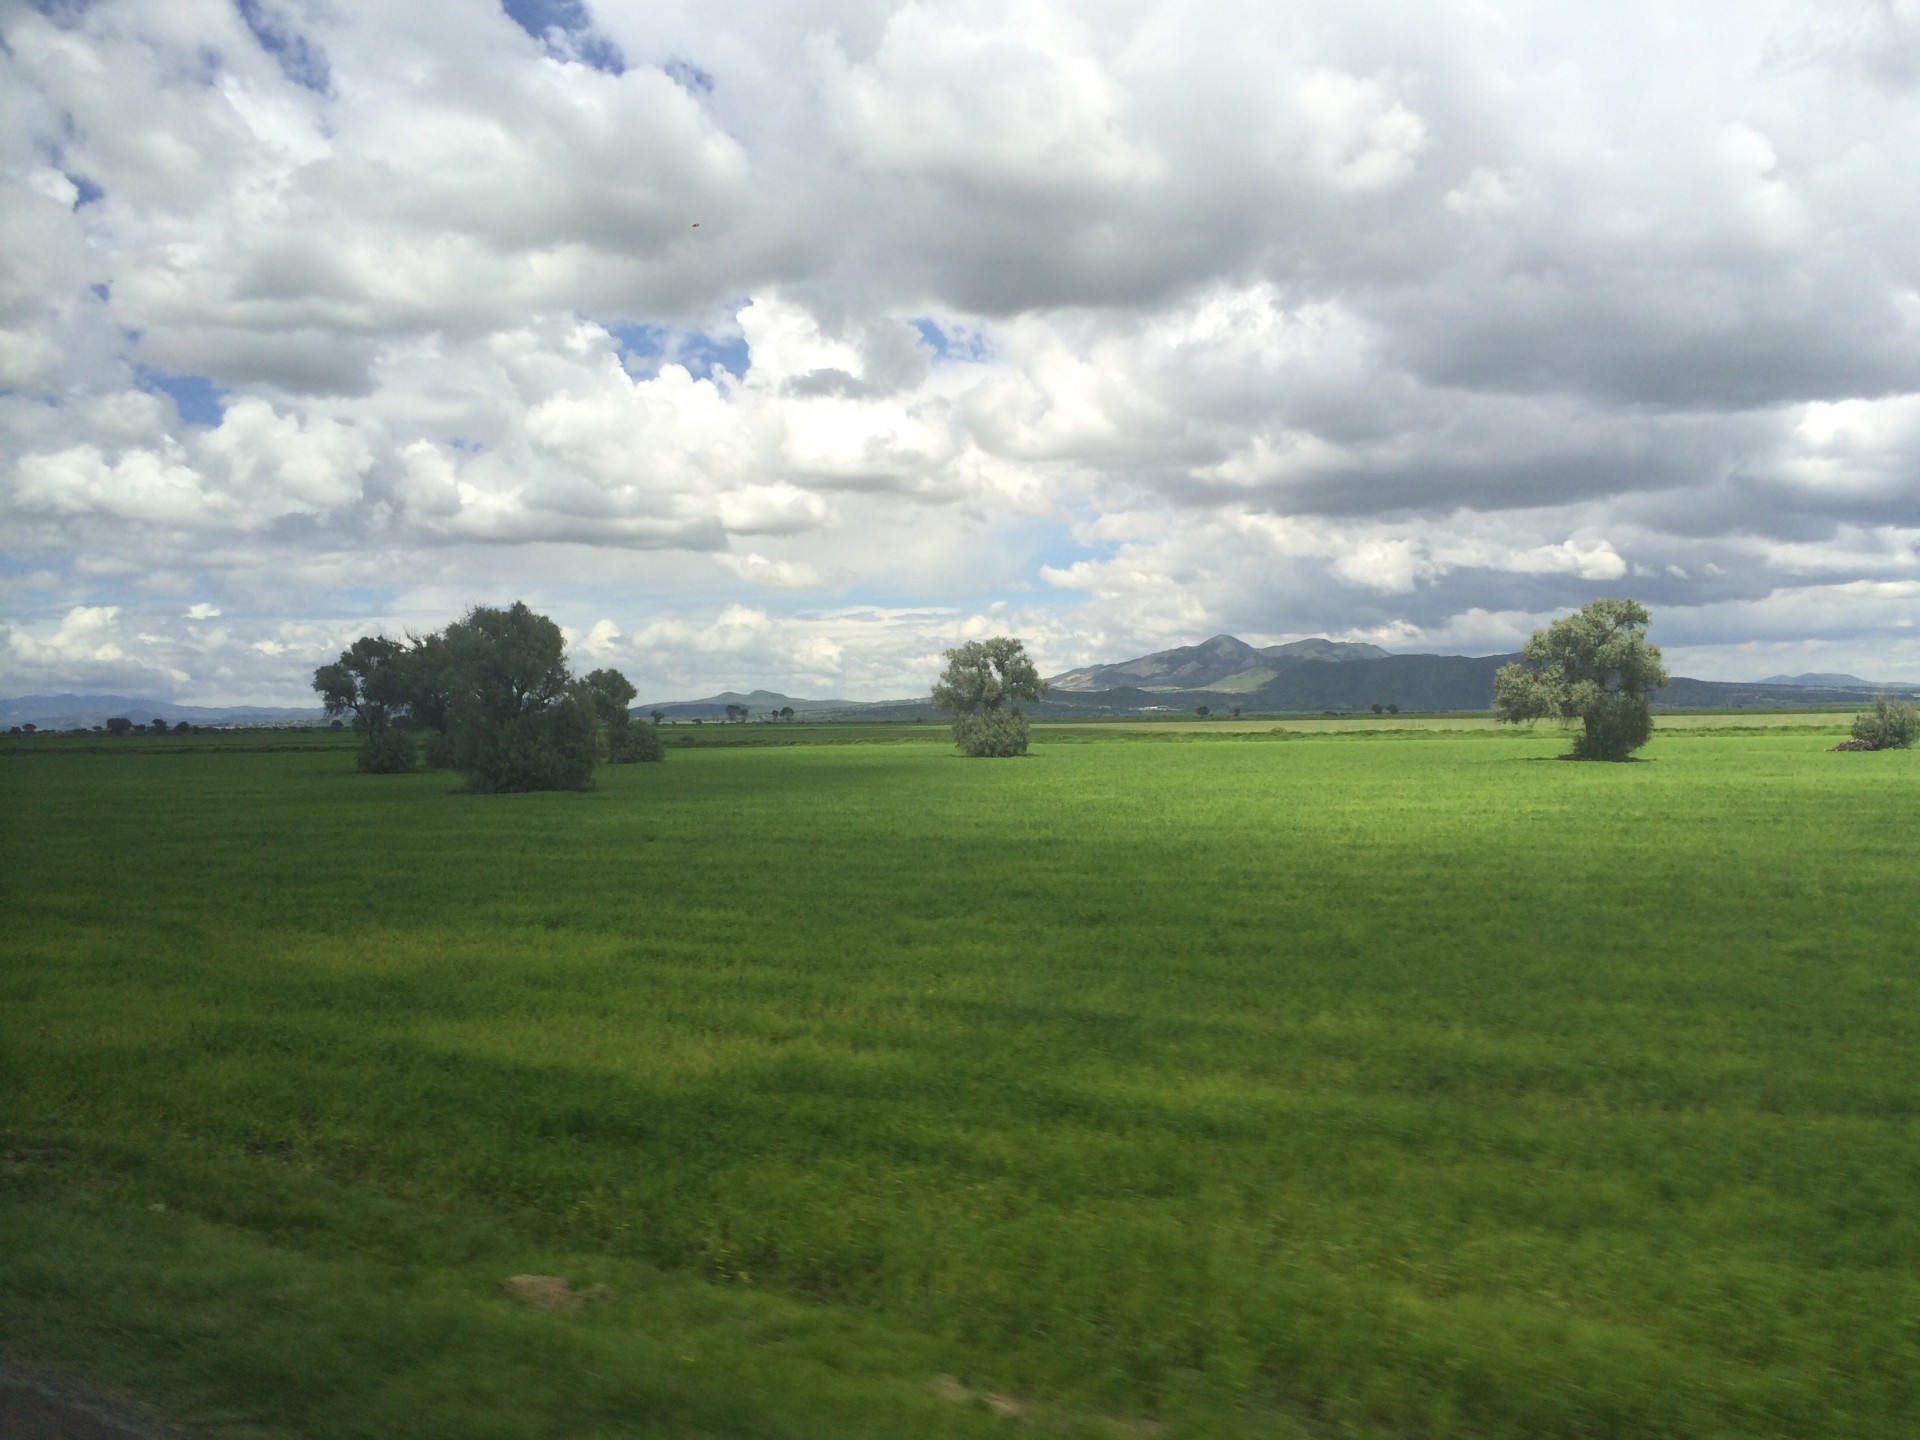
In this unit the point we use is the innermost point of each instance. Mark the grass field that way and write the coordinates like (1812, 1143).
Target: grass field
(1405, 1084)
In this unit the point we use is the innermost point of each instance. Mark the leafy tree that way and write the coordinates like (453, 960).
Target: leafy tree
(119, 725)
(608, 692)
(428, 676)
(1890, 725)
(658, 715)
(1378, 707)
(980, 687)
(369, 679)
(516, 725)
(1202, 711)
(181, 727)
(158, 726)
(1594, 666)
(1393, 709)
(1235, 712)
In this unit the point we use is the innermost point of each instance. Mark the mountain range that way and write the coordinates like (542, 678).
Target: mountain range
(1221, 673)
(83, 712)
(1222, 664)
(1822, 680)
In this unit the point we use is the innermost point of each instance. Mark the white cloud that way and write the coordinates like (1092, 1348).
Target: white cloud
(1137, 323)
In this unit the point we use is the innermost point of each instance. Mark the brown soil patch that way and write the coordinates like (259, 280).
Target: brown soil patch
(554, 1292)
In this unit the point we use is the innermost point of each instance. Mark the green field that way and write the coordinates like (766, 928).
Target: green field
(1407, 1084)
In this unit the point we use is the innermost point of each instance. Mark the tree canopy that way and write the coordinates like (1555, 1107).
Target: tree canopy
(370, 679)
(1594, 666)
(1890, 725)
(981, 687)
(495, 697)
(627, 741)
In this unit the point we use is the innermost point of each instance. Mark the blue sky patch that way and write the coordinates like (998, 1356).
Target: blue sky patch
(301, 61)
(89, 192)
(701, 353)
(103, 289)
(568, 32)
(949, 347)
(194, 396)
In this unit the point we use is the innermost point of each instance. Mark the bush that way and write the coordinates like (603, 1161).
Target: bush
(554, 748)
(991, 734)
(634, 743)
(1889, 725)
(438, 753)
(386, 752)
(1615, 732)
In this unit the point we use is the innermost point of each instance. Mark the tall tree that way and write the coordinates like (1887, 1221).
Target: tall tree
(609, 693)
(981, 687)
(369, 680)
(516, 726)
(1594, 666)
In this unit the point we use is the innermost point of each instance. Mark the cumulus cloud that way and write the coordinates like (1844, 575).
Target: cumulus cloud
(783, 345)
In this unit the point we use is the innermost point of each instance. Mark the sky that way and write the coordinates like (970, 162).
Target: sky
(788, 343)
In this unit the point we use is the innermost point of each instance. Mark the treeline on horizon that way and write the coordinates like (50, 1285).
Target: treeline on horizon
(490, 696)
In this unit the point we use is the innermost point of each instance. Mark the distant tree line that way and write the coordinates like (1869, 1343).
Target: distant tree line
(491, 696)
(121, 725)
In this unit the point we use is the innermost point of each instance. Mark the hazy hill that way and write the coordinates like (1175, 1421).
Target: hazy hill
(1825, 681)
(1413, 682)
(83, 712)
(759, 702)
(1223, 664)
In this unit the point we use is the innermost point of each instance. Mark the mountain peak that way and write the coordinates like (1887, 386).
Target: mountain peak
(1220, 662)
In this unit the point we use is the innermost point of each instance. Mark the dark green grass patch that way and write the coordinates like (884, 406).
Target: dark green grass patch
(1355, 1087)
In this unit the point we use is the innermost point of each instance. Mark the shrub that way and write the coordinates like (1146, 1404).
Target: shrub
(554, 748)
(991, 734)
(386, 751)
(633, 743)
(1890, 725)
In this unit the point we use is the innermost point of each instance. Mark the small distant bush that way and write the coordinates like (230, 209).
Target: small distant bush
(1890, 725)
(119, 725)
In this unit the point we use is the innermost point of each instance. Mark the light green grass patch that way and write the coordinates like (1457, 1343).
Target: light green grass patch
(1337, 1086)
